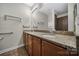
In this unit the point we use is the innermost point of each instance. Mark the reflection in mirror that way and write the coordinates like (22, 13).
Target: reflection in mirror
(61, 23)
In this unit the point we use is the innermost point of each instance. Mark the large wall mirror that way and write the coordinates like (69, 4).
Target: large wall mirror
(66, 21)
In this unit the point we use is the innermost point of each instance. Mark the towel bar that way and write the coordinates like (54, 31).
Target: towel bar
(6, 33)
(1, 38)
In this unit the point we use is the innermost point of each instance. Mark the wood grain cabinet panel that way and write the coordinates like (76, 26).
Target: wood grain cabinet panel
(36, 43)
(40, 47)
(29, 44)
(24, 38)
(49, 49)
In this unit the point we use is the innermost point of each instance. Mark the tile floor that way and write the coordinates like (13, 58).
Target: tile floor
(16, 52)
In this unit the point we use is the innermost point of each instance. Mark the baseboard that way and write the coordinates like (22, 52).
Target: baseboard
(12, 48)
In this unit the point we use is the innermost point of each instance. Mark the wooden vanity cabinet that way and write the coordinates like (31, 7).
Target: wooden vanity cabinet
(49, 49)
(36, 49)
(40, 47)
(24, 38)
(29, 44)
(33, 45)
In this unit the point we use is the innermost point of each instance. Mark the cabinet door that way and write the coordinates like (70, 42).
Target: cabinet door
(49, 49)
(29, 44)
(36, 46)
(61, 23)
(24, 38)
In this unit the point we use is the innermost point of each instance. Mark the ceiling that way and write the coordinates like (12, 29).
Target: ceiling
(59, 8)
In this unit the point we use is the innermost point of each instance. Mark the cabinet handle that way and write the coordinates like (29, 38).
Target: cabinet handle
(73, 53)
(63, 53)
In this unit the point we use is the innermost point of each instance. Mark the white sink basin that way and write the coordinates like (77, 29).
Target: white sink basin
(49, 36)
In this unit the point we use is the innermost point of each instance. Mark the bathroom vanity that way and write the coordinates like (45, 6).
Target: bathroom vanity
(47, 44)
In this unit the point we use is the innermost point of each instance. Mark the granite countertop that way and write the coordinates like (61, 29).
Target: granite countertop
(58, 38)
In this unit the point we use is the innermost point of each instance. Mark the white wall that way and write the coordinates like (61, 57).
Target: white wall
(18, 10)
(51, 21)
(40, 20)
(70, 17)
(77, 21)
(62, 15)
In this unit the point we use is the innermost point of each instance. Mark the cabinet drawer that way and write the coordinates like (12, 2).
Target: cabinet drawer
(49, 49)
